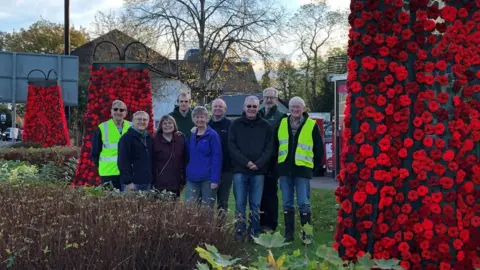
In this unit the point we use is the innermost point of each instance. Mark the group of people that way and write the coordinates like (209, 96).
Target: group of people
(206, 157)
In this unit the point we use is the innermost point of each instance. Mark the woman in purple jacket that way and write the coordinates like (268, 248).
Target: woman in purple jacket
(205, 160)
(169, 157)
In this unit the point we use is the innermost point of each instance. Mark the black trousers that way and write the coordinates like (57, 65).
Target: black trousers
(114, 179)
(269, 204)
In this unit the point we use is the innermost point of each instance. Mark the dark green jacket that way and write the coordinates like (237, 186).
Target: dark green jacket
(273, 117)
(184, 123)
(288, 168)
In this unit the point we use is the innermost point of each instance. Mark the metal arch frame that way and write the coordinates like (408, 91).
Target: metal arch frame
(131, 43)
(33, 70)
(122, 56)
(106, 41)
(54, 71)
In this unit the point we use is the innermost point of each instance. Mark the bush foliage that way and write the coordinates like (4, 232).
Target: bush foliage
(45, 227)
(22, 171)
(40, 156)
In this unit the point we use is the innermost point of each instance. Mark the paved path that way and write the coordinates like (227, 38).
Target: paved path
(326, 182)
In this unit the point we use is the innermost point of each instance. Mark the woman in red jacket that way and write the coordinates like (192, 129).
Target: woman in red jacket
(169, 157)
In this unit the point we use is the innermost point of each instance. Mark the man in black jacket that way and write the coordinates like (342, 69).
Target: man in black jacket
(300, 153)
(269, 205)
(250, 145)
(221, 124)
(135, 155)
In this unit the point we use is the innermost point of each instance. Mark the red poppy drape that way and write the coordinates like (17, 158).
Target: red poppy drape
(45, 121)
(409, 186)
(129, 82)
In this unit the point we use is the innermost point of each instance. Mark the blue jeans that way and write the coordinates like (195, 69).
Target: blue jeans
(288, 185)
(246, 186)
(200, 192)
(141, 187)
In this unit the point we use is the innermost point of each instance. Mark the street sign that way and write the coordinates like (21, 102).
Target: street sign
(15, 67)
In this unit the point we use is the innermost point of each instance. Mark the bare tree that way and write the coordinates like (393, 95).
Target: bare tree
(314, 26)
(105, 22)
(218, 28)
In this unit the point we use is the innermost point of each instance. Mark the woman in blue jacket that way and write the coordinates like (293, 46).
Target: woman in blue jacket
(205, 163)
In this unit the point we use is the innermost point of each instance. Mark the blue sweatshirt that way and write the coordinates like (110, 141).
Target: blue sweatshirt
(205, 162)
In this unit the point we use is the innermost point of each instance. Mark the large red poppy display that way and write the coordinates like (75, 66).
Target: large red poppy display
(45, 122)
(129, 82)
(409, 187)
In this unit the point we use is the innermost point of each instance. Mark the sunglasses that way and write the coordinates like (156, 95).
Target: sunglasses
(183, 101)
(252, 106)
(118, 109)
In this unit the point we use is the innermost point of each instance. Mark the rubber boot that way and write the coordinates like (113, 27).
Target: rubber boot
(304, 219)
(289, 216)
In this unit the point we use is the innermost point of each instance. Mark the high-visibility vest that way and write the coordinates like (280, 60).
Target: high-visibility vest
(304, 150)
(107, 165)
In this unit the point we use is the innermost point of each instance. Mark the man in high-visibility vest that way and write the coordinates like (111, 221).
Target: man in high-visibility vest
(300, 152)
(105, 144)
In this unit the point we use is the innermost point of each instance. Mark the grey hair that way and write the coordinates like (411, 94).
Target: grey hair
(254, 98)
(118, 102)
(199, 110)
(296, 101)
(140, 113)
(220, 100)
(275, 91)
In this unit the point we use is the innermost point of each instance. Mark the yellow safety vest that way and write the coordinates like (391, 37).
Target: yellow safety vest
(107, 165)
(304, 150)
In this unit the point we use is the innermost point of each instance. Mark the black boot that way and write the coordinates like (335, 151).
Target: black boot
(289, 225)
(304, 219)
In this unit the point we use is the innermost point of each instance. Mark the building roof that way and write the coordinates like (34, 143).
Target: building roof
(107, 52)
(234, 77)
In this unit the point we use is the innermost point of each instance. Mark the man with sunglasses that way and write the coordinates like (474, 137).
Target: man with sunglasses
(105, 144)
(250, 144)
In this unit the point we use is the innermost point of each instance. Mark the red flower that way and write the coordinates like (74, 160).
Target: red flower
(130, 85)
(45, 122)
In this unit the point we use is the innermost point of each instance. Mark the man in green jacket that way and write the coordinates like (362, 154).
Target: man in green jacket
(300, 153)
(269, 204)
(183, 114)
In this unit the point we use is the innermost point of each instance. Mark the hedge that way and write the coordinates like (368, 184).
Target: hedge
(40, 156)
(45, 227)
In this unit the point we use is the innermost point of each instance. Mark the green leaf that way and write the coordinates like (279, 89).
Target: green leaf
(388, 264)
(308, 229)
(261, 264)
(202, 266)
(329, 255)
(220, 259)
(270, 240)
(366, 262)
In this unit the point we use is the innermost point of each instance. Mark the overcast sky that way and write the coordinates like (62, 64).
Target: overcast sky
(15, 14)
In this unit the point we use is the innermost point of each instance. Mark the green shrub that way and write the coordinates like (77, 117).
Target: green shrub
(22, 171)
(25, 145)
(326, 258)
(59, 172)
(46, 227)
(40, 156)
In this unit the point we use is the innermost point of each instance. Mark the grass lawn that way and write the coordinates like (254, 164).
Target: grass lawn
(324, 219)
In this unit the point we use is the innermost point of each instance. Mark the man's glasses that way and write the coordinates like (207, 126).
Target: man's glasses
(270, 98)
(183, 101)
(252, 106)
(118, 109)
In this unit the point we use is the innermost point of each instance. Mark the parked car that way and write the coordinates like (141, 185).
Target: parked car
(5, 136)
